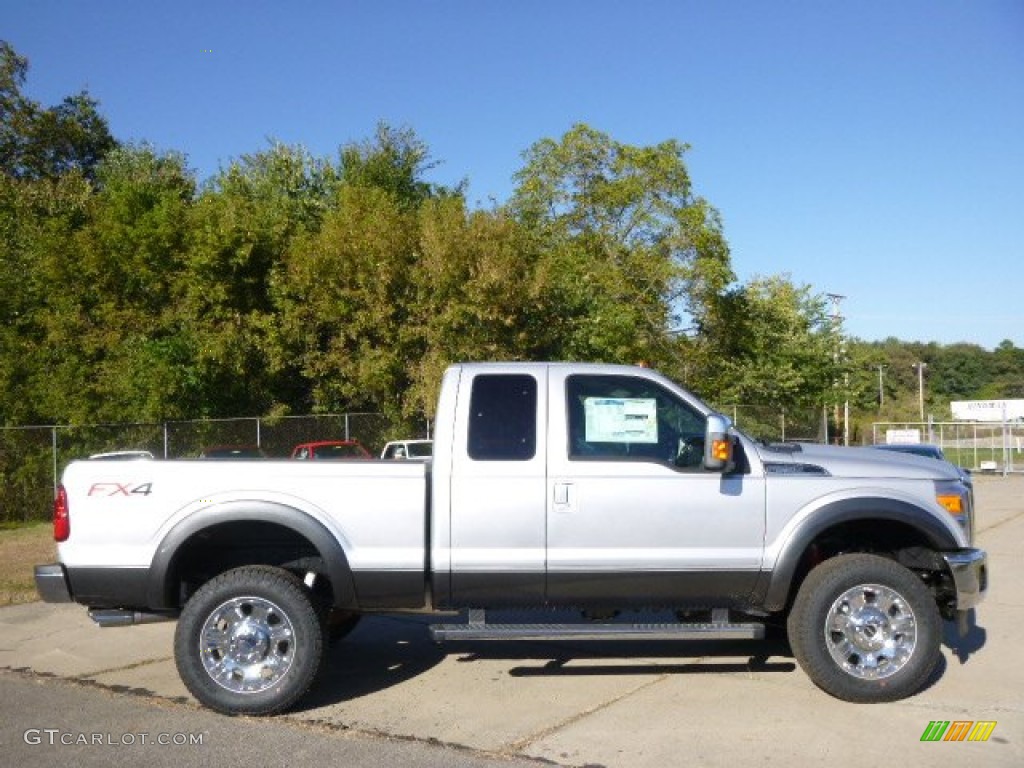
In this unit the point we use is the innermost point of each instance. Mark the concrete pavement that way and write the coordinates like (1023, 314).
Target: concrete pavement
(112, 728)
(651, 704)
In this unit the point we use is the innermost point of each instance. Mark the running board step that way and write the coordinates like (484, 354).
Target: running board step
(679, 631)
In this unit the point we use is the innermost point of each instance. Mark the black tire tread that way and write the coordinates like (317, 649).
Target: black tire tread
(815, 596)
(278, 585)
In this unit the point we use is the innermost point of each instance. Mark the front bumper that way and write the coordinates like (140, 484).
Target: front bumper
(969, 568)
(52, 583)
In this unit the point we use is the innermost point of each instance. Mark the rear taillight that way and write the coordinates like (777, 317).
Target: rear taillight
(61, 515)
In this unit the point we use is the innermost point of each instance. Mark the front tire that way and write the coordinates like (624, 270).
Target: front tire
(865, 629)
(249, 641)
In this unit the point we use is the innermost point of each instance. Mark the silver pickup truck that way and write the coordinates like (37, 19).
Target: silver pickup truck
(604, 491)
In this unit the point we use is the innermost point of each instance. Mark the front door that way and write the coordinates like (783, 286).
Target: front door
(633, 518)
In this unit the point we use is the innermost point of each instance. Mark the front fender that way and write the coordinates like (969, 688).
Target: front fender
(776, 587)
(160, 591)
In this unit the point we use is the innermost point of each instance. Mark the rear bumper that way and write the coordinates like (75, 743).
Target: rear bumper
(95, 587)
(969, 568)
(52, 583)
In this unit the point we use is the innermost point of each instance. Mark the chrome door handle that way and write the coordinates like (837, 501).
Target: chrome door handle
(563, 496)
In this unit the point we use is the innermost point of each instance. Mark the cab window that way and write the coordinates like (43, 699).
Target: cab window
(628, 418)
(503, 418)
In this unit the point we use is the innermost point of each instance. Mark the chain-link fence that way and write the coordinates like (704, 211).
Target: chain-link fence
(979, 446)
(774, 424)
(32, 458)
(28, 465)
(277, 436)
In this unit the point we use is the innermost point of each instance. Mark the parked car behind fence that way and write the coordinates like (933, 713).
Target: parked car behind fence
(331, 450)
(408, 449)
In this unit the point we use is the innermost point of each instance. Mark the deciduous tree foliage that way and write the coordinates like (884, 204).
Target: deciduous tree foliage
(38, 142)
(778, 347)
(396, 161)
(345, 291)
(242, 226)
(638, 253)
(103, 318)
(954, 372)
(344, 301)
(482, 291)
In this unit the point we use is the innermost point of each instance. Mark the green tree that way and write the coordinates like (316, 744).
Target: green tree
(344, 302)
(481, 291)
(16, 111)
(112, 351)
(38, 142)
(781, 348)
(241, 230)
(959, 370)
(636, 251)
(347, 291)
(38, 223)
(1007, 371)
(395, 160)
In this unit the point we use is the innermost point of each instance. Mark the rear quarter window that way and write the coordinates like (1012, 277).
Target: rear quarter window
(503, 418)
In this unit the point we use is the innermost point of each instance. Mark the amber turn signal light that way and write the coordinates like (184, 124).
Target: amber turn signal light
(953, 503)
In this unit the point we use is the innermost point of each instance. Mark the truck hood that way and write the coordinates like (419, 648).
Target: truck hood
(840, 461)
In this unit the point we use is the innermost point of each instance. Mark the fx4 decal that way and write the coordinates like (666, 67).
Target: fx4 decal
(120, 489)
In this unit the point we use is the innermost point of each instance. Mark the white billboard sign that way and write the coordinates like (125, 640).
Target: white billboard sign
(988, 410)
(902, 436)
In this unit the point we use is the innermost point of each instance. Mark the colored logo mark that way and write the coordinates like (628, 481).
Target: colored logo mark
(958, 730)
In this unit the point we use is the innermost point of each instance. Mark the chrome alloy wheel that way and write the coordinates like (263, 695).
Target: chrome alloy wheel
(871, 631)
(247, 644)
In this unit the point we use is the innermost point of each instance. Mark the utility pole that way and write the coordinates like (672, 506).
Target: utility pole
(881, 388)
(837, 325)
(920, 387)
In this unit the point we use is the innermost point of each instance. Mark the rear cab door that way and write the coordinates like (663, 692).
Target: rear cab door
(492, 471)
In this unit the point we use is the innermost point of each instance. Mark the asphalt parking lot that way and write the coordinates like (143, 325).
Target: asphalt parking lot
(580, 704)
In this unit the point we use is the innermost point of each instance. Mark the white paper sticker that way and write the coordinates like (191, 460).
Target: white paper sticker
(621, 419)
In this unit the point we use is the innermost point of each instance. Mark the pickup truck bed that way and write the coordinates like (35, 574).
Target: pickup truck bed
(370, 515)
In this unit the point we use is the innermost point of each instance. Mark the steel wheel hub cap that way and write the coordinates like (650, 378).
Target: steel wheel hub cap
(247, 644)
(871, 631)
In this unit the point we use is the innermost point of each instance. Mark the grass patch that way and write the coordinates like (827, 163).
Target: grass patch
(971, 458)
(22, 548)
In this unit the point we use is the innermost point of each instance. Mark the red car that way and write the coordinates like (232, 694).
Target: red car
(331, 450)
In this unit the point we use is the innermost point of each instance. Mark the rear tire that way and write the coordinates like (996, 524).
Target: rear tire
(249, 641)
(865, 629)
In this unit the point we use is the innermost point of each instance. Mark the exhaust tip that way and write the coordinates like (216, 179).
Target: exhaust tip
(118, 617)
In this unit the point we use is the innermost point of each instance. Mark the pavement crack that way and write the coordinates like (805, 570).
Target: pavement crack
(1000, 524)
(516, 747)
(124, 668)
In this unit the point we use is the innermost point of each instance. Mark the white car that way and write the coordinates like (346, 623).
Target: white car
(408, 449)
(122, 455)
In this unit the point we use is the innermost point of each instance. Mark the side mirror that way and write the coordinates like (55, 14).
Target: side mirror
(718, 444)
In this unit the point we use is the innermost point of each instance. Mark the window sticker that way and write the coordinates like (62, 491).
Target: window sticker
(621, 419)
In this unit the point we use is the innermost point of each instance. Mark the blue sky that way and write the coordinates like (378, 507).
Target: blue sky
(873, 149)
